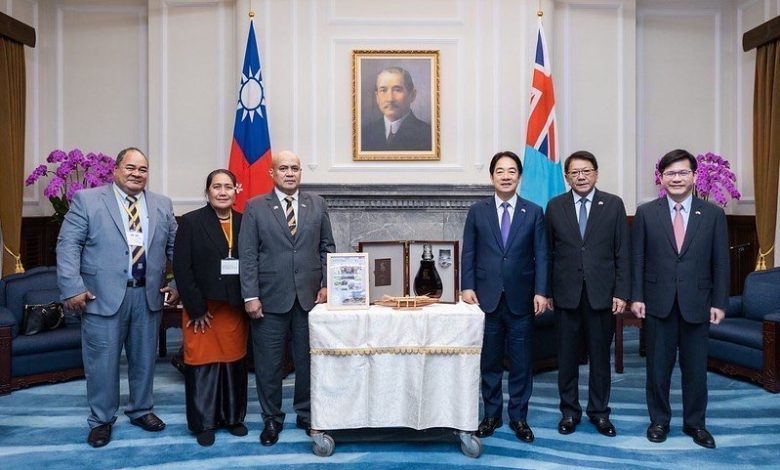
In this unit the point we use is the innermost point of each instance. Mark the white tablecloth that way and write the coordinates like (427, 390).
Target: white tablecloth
(396, 368)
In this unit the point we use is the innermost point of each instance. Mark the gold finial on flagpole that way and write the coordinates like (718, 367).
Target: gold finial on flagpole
(251, 14)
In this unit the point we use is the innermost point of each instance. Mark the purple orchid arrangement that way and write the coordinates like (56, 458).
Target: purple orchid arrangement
(714, 178)
(74, 171)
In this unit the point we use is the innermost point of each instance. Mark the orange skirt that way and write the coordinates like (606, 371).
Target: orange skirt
(225, 341)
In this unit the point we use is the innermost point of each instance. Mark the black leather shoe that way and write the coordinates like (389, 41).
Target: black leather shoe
(657, 432)
(148, 422)
(567, 425)
(205, 438)
(700, 436)
(488, 426)
(238, 430)
(270, 434)
(303, 423)
(522, 430)
(99, 435)
(604, 426)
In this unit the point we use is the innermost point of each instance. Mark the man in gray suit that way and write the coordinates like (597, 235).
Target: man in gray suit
(285, 239)
(111, 263)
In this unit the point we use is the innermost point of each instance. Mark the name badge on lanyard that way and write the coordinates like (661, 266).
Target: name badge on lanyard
(229, 266)
(135, 238)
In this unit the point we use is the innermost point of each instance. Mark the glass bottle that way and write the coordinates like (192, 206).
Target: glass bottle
(427, 281)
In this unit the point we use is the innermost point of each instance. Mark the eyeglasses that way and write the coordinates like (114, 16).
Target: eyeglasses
(586, 172)
(680, 173)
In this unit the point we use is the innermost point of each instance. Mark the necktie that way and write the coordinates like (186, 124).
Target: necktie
(583, 217)
(679, 226)
(506, 221)
(390, 137)
(134, 222)
(290, 213)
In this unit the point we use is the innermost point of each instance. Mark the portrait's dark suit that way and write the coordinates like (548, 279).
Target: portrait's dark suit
(678, 290)
(92, 255)
(198, 271)
(586, 274)
(505, 280)
(285, 272)
(413, 134)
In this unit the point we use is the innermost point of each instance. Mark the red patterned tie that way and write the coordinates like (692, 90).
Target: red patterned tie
(679, 226)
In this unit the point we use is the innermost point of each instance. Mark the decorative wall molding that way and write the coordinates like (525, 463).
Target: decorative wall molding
(458, 20)
(741, 159)
(222, 138)
(34, 114)
(715, 15)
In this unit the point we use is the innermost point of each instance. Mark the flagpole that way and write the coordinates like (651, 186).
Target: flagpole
(539, 12)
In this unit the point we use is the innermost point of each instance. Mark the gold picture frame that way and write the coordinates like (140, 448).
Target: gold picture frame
(381, 94)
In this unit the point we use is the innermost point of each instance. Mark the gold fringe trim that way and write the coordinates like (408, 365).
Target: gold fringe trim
(761, 262)
(442, 350)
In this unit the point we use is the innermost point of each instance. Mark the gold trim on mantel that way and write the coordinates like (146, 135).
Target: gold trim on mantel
(443, 350)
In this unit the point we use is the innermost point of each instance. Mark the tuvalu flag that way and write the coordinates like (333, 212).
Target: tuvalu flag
(542, 174)
(250, 152)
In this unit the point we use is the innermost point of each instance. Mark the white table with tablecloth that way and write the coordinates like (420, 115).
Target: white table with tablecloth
(380, 367)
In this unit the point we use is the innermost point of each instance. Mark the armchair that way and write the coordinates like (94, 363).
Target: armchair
(745, 343)
(47, 357)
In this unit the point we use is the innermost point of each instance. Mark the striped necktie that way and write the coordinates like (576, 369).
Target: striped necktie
(134, 222)
(290, 213)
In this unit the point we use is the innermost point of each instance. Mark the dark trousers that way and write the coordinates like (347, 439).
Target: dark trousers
(507, 333)
(216, 395)
(596, 328)
(665, 337)
(268, 343)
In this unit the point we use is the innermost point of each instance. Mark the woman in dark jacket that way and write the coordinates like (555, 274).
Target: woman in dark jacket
(214, 324)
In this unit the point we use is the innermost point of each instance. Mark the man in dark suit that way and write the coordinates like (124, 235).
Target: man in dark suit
(399, 129)
(284, 241)
(680, 285)
(504, 269)
(589, 245)
(111, 259)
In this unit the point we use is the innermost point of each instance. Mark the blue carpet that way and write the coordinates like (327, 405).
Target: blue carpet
(45, 427)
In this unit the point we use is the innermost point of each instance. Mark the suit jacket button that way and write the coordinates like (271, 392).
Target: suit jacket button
(582, 249)
(296, 271)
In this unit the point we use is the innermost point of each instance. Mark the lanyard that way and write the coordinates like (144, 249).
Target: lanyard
(126, 208)
(228, 233)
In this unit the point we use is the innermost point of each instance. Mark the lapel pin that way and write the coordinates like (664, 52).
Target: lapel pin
(697, 212)
(303, 205)
(522, 210)
(601, 203)
(276, 207)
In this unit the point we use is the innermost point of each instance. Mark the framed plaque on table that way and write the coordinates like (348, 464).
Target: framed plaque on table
(395, 269)
(347, 281)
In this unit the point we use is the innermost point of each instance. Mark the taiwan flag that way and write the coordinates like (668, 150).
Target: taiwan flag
(542, 173)
(250, 153)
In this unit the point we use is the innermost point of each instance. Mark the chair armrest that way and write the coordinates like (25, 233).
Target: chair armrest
(734, 308)
(773, 317)
(8, 319)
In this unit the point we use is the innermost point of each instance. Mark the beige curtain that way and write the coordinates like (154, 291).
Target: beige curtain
(12, 109)
(766, 148)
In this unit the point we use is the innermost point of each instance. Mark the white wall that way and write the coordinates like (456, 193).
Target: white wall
(634, 78)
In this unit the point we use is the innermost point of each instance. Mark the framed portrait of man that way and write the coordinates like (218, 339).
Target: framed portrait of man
(395, 109)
